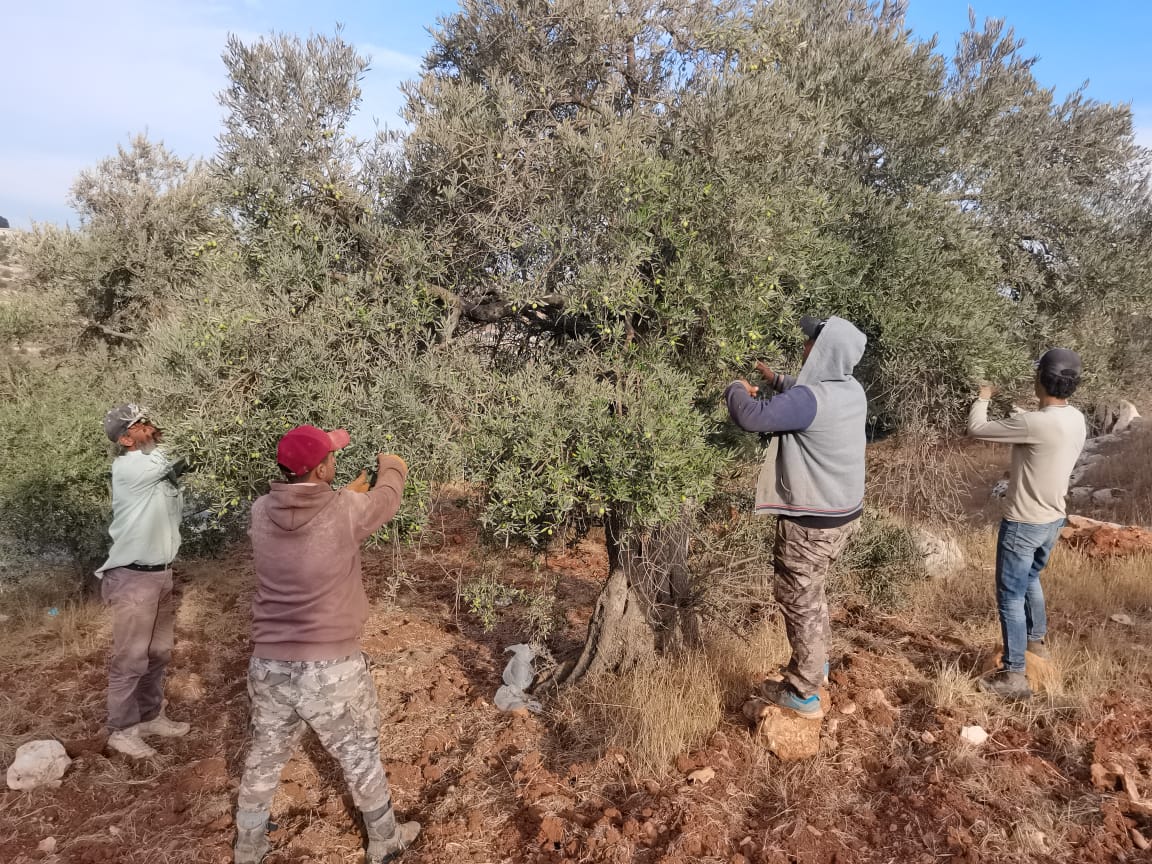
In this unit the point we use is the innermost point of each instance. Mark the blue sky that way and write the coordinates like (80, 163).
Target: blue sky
(81, 77)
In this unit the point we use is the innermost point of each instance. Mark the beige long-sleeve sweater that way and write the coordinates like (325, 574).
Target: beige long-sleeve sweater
(310, 602)
(1046, 445)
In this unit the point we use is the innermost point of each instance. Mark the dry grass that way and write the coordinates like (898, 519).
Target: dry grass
(922, 477)
(1127, 465)
(39, 663)
(740, 662)
(673, 704)
(1103, 585)
(656, 710)
(1092, 654)
(951, 687)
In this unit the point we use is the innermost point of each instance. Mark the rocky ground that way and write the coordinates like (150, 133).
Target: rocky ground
(897, 777)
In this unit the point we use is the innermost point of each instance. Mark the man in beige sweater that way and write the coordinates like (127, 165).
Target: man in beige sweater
(307, 615)
(1046, 446)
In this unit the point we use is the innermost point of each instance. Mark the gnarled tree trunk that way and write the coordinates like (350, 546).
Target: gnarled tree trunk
(646, 606)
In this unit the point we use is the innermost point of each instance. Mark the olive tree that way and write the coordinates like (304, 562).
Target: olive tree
(144, 214)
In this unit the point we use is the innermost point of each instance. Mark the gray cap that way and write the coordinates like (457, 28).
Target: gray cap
(1060, 362)
(812, 326)
(119, 419)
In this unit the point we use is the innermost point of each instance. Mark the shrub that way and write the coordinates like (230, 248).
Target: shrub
(880, 563)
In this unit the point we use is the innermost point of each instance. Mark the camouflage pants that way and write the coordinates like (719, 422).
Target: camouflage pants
(802, 558)
(337, 699)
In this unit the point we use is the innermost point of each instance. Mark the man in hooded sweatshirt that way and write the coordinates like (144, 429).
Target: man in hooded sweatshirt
(813, 482)
(307, 616)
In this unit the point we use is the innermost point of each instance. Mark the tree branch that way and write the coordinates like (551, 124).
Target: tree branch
(108, 331)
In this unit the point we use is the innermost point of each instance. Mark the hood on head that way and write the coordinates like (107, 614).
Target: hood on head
(835, 354)
(291, 506)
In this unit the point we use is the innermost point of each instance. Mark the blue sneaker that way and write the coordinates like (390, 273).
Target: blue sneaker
(784, 696)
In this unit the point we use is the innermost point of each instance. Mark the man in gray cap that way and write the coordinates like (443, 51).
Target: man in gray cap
(136, 581)
(1046, 445)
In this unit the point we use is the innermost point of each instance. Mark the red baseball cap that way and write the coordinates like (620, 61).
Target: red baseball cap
(305, 447)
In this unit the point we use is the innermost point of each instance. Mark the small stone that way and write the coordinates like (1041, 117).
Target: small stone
(974, 735)
(47, 845)
(928, 738)
(1121, 618)
(1139, 840)
(701, 776)
(848, 708)
(1104, 778)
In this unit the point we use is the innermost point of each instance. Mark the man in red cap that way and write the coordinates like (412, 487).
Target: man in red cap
(307, 615)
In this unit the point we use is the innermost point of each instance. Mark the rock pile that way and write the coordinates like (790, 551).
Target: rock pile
(1105, 539)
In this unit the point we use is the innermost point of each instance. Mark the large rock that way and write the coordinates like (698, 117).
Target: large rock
(1104, 497)
(789, 737)
(1125, 417)
(1112, 418)
(940, 555)
(1081, 494)
(38, 763)
(1103, 539)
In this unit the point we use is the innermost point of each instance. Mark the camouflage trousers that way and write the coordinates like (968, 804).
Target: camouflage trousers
(802, 558)
(337, 699)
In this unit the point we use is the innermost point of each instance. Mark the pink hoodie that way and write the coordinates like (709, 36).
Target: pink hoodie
(310, 602)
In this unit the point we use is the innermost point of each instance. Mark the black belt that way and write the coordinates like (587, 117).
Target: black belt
(148, 568)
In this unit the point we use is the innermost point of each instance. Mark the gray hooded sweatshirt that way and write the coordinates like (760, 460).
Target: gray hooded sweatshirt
(814, 466)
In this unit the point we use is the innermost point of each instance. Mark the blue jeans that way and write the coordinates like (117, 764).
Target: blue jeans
(1022, 550)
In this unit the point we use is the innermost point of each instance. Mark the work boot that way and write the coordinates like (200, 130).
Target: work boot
(1006, 685)
(162, 726)
(386, 838)
(1039, 649)
(251, 837)
(129, 743)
